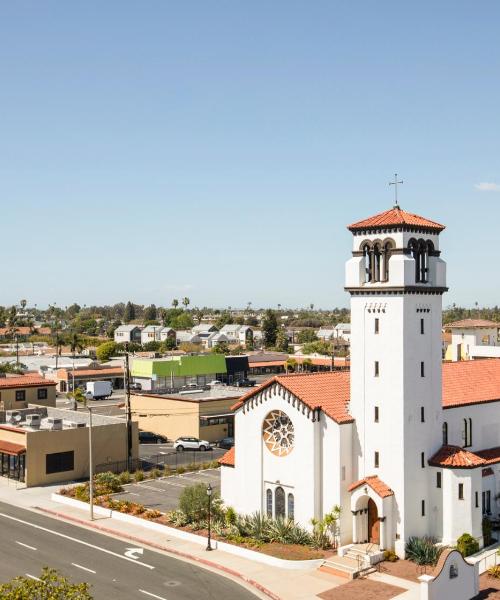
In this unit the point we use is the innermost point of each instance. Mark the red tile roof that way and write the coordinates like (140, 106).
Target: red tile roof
(455, 457)
(395, 217)
(228, 458)
(68, 373)
(471, 382)
(327, 391)
(490, 455)
(15, 330)
(11, 448)
(470, 323)
(377, 485)
(24, 381)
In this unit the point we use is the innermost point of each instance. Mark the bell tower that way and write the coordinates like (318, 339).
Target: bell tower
(396, 279)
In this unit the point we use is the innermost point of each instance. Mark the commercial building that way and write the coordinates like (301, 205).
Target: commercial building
(206, 415)
(44, 445)
(69, 379)
(16, 392)
(472, 339)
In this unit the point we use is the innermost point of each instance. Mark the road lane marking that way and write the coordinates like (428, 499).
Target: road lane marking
(152, 595)
(84, 568)
(26, 545)
(131, 552)
(68, 537)
(33, 577)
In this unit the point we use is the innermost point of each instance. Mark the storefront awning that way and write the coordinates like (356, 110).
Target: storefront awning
(11, 448)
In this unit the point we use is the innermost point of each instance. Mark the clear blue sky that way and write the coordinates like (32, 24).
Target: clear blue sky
(217, 149)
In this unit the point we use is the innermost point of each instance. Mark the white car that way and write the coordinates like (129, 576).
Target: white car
(191, 443)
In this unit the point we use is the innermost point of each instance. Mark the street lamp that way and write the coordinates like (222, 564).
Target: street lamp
(91, 467)
(209, 494)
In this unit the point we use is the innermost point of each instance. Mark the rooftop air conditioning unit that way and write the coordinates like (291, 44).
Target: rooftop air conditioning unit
(13, 416)
(33, 420)
(54, 424)
(74, 424)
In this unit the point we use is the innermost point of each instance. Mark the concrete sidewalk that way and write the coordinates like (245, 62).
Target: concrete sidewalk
(264, 580)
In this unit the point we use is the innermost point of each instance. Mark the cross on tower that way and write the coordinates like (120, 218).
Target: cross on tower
(395, 184)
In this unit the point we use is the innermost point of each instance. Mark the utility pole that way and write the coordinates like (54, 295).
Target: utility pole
(129, 411)
(91, 467)
(17, 351)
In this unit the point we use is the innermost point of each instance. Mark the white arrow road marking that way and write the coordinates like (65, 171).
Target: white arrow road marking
(26, 545)
(131, 552)
(84, 568)
(152, 595)
(68, 537)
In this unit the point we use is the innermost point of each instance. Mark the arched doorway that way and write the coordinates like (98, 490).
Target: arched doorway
(373, 523)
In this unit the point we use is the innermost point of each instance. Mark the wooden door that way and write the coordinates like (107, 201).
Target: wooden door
(373, 523)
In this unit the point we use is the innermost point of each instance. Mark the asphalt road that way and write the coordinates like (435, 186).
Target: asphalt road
(163, 494)
(30, 541)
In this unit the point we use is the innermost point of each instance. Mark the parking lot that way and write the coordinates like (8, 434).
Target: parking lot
(163, 494)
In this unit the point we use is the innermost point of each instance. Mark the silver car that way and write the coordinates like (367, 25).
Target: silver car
(191, 443)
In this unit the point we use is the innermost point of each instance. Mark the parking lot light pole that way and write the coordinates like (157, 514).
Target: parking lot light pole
(91, 467)
(209, 494)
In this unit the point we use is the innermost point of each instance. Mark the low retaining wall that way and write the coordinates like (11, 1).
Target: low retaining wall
(300, 565)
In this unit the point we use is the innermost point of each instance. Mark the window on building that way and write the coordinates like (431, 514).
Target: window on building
(476, 496)
(438, 479)
(467, 432)
(376, 414)
(269, 503)
(291, 506)
(20, 395)
(59, 462)
(423, 508)
(42, 393)
(445, 433)
(486, 498)
(460, 491)
(377, 369)
(377, 325)
(422, 326)
(422, 414)
(470, 432)
(376, 460)
(422, 369)
(279, 502)
(422, 460)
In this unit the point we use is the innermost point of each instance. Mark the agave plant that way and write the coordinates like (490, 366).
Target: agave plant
(424, 550)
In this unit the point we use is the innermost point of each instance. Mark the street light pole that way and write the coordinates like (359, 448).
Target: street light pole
(209, 494)
(91, 467)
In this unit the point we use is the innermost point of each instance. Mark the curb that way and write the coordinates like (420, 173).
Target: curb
(179, 553)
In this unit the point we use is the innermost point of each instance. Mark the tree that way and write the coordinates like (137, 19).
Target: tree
(225, 318)
(175, 303)
(290, 364)
(150, 313)
(183, 321)
(152, 346)
(221, 348)
(186, 301)
(105, 351)
(198, 315)
(282, 341)
(307, 335)
(23, 303)
(76, 343)
(129, 314)
(78, 395)
(50, 586)
(168, 344)
(270, 328)
(319, 347)
(193, 502)
(110, 331)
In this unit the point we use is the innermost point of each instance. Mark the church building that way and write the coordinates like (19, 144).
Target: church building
(407, 445)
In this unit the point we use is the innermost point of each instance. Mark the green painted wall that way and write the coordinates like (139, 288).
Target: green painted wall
(180, 366)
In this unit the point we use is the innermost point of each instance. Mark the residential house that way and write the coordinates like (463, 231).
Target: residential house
(17, 391)
(128, 333)
(151, 333)
(472, 339)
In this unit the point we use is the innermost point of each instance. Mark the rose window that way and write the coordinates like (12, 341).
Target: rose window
(278, 433)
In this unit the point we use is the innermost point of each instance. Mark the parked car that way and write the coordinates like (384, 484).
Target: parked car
(135, 387)
(246, 383)
(227, 443)
(148, 437)
(191, 443)
(216, 382)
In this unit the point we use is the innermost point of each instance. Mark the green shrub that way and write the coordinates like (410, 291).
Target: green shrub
(181, 470)
(152, 514)
(139, 475)
(467, 545)
(82, 492)
(124, 477)
(155, 473)
(487, 531)
(107, 483)
(494, 571)
(390, 556)
(193, 502)
(423, 551)
(230, 516)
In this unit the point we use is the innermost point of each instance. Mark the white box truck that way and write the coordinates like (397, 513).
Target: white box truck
(99, 389)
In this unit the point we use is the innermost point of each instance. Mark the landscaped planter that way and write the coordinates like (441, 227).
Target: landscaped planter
(192, 537)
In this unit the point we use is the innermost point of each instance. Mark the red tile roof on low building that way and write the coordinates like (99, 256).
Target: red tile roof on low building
(491, 455)
(24, 381)
(327, 391)
(376, 484)
(11, 448)
(228, 459)
(471, 382)
(395, 217)
(68, 373)
(472, 324)
(455, 457)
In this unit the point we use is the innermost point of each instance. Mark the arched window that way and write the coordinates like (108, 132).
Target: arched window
(445, 433)
(291, 506)
(413, 248)
(279, 503)
(269, 503)
(422, 262)
(388, 246)
(368, 258)
(376, 262)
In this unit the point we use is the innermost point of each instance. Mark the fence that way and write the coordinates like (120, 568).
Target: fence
(147, 463)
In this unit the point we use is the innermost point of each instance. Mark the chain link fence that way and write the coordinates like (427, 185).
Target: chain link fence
(147, 463)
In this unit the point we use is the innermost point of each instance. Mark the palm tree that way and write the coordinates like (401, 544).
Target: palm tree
(186, 302)
(58, 342)
(23, 303)
(175, 303)
(76, 343)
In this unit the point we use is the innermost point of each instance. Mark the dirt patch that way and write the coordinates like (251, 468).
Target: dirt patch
(404, 569)
(291, 551)
(490, 588)
(367, 589)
